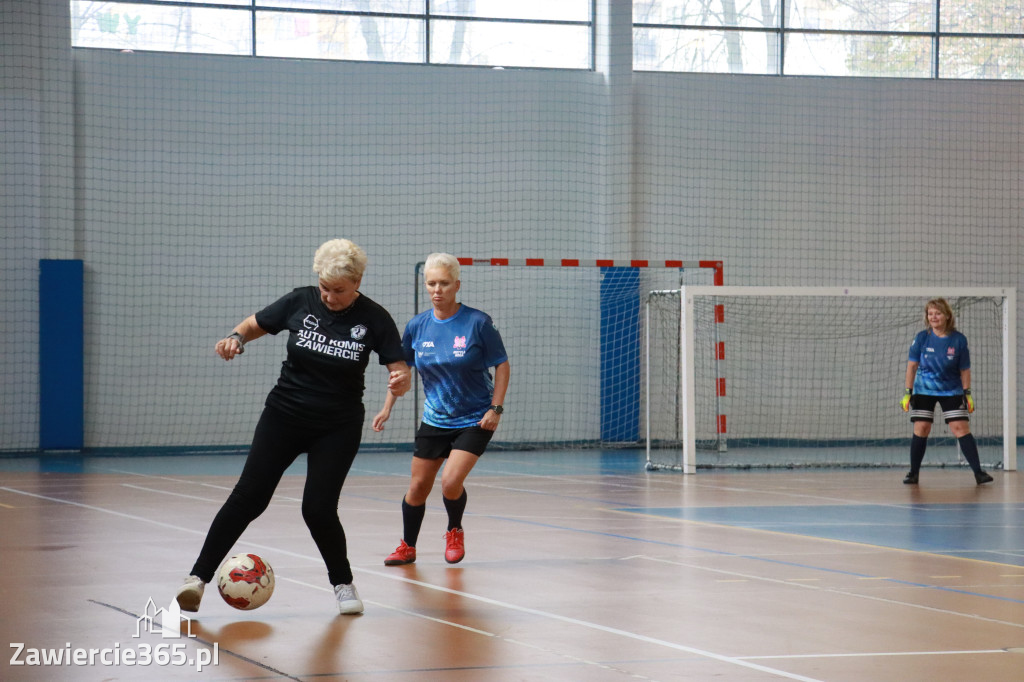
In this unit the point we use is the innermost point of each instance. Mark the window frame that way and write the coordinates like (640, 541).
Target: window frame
(781, 31)
(427, 17)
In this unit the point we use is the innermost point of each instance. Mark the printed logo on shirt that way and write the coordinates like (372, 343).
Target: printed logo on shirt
(358, 332)
(427, 344)
(317, 342)
(950, 352)
(459, 346)
(311, 322)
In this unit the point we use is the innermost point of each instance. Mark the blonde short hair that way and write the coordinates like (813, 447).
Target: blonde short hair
(942, 305)
(339, 258)
(446, 261)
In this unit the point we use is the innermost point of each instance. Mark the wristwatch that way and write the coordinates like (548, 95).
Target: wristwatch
(498, 409)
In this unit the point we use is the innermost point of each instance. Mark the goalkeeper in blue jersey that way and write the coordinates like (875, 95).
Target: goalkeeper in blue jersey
(939, 372)
(452, 348)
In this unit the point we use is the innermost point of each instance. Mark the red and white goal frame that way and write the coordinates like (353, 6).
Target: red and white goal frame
(716, 268)
(716, 265)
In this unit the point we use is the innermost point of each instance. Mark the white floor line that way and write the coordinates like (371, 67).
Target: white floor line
(593, 626)
(484, 633)
(805, 586)
(873, 654)
(220, 500)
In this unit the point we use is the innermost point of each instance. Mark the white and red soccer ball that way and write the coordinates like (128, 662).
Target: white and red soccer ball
(245, 581)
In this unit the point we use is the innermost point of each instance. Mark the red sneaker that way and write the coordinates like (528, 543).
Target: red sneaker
(401, 556)
(454, 545)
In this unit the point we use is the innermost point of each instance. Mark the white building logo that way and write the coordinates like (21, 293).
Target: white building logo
(169, 626)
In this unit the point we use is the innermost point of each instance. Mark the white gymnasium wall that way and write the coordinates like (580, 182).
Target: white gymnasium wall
(201, 186)
(829, 181)
(207, 183)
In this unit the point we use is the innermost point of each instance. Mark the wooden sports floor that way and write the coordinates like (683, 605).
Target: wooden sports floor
(579, 566)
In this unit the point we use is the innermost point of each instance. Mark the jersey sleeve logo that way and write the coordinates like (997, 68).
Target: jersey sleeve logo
(311, 322)
(358, 332)
(460, 342)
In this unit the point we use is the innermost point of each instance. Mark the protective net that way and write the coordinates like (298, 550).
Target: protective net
(810, 380)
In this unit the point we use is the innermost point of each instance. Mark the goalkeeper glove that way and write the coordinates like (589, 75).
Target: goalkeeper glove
(905, 401)
(969, 400)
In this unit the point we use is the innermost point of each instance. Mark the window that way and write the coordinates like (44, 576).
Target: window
(882, 38)
(526, 33)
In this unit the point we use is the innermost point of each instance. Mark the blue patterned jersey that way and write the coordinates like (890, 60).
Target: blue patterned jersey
(453, 358)
(941, 359)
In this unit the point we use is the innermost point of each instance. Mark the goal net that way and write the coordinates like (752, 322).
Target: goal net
(810, 376)
(572, 330)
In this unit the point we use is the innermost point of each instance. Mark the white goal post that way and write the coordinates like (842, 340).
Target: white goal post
(893, 303)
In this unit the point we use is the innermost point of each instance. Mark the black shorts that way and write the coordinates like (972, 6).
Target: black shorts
(433, 442)
(954, 407)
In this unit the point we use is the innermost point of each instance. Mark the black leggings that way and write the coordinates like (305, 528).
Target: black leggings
(275, 445)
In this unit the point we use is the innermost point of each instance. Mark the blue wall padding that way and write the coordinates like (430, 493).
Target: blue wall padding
(61, 354)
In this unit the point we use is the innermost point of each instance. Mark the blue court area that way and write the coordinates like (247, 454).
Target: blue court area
(987, 532)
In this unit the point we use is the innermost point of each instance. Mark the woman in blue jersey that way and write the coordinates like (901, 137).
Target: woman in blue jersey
(316, 407)
(939, 372)
(452, 348)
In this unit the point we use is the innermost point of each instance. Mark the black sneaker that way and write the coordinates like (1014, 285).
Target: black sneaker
(982, 477)
(911, 479)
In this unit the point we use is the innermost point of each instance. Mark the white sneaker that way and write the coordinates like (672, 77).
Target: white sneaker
(348, 599)
(191, 593)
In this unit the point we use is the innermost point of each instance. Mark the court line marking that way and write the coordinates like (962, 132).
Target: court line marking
(277, 497)
(831, 590)
(592, 626)
(766, 559)
(453, 624)
(485, 600)
(168, 492)
(817, 538)
(882, 653)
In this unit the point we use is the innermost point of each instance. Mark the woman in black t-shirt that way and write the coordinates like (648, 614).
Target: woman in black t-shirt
(316, 407)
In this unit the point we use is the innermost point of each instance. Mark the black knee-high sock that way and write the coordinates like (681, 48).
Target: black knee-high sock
(412, 520)
(455, 509)
(969, 447)
(917, 448)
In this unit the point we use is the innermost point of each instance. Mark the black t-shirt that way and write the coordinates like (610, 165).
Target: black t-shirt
(328, 352)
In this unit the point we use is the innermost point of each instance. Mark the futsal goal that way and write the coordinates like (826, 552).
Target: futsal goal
(812, 376)
(572, 329)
